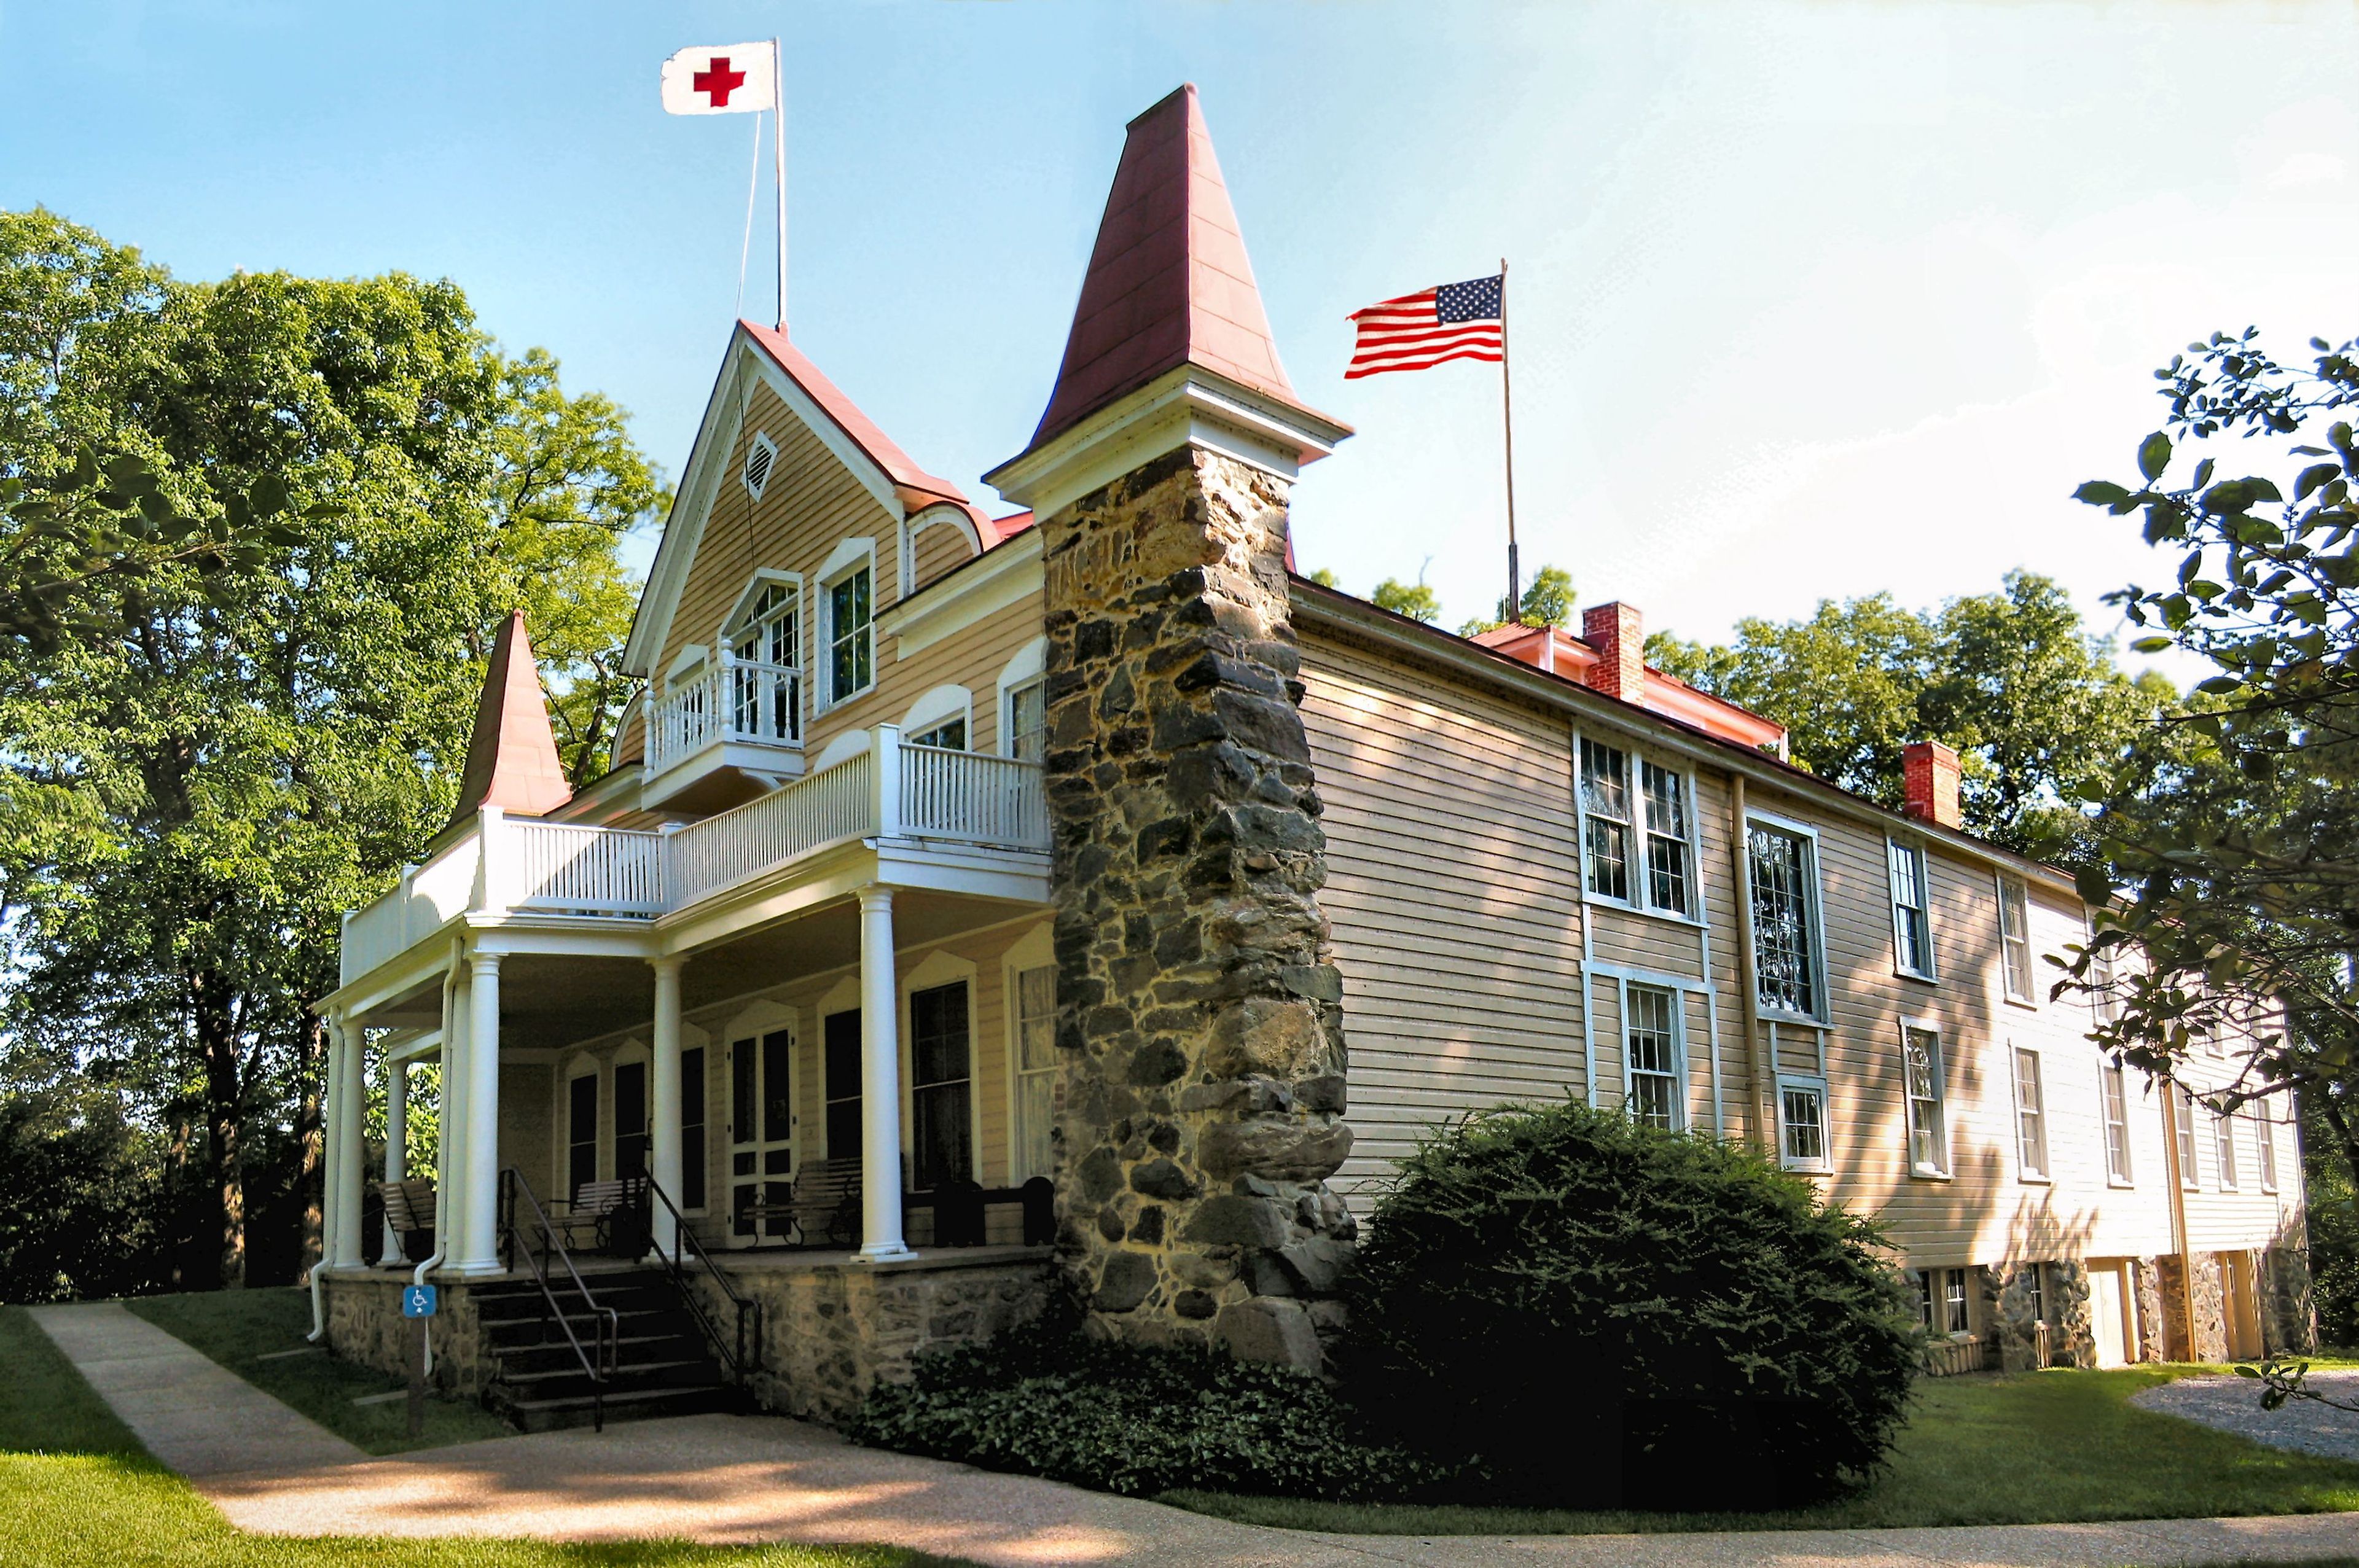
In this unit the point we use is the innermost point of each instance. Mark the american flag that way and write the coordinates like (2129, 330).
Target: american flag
(1417, 332)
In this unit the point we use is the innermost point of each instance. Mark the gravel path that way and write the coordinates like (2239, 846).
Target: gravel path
(2234, 1404)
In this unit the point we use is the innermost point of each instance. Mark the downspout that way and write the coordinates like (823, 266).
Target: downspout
(1741, 869)
(2170, 1096)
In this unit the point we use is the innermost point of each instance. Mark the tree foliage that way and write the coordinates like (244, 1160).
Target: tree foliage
(221, 740)
(2231, 837)
(2013, 680)
(1546, 600)
(1415, 599)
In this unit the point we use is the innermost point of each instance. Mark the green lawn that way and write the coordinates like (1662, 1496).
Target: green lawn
(246, 1330)
(2043, 1447)
(77, 1491)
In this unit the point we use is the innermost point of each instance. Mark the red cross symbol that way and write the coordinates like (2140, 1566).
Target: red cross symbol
(717, 82)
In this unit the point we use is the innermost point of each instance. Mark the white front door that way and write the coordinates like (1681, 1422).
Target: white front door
(2105, 1316)
(761, 1133)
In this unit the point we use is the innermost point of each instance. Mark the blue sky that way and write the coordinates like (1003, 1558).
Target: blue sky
(1807, 299)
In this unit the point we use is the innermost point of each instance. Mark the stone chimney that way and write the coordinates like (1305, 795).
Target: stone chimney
(1929, 773)
(1198, 1019)
(1618, 632)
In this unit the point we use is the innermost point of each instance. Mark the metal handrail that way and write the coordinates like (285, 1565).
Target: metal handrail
(684, 1238)
(609, 1323)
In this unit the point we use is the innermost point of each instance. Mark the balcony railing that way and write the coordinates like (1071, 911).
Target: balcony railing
(892, 790)
(733, 699)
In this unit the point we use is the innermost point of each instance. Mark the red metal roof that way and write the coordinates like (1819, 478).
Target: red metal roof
(914, 485)
(1168, 283)
(512, 759)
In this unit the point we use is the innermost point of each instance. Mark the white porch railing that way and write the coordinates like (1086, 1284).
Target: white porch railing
(892, 790)
(732, 699)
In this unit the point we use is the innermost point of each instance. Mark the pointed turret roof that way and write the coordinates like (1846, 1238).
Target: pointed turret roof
(1168, 283)
(512, 759)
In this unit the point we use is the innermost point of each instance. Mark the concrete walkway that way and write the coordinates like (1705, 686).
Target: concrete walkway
(192, 1414)
(738, 1479)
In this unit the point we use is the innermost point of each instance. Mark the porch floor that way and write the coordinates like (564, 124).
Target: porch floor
(755, 1259)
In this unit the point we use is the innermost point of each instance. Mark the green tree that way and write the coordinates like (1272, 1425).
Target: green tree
(1546, 601)
(2013, 680)
(2231, 874)
(1415, 599)
(226, 754)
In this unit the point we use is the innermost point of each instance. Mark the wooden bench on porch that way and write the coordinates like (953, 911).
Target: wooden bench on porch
(824, 1208)
(409, 1213)
(613, 1214)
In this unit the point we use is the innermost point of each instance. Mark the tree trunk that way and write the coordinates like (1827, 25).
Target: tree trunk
(217, 1045)
(312, 1074)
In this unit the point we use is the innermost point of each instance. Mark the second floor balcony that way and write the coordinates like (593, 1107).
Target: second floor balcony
(734, 721)
(924, 801)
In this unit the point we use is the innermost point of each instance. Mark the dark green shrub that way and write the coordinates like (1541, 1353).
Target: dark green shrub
(1048, 1400)
(1590, 1307)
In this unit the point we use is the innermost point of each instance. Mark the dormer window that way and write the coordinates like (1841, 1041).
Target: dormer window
(761, 456)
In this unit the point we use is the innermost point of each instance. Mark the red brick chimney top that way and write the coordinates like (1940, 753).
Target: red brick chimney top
(1618, 632)
(1928, 774)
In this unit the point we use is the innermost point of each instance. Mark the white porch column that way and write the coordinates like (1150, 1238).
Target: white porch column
(663, 1137)
(397, 1139)
(347, 1045)
(332, 1144)
(479, 1252)
(880, 1082)
(450, 1193)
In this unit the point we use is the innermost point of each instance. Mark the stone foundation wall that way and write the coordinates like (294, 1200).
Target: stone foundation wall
(365, 1325)
(2288, 1315)
(2009, 1292)
(830, 1331)
(1199, 1017)
(2146, 1279)
(2210, 1342)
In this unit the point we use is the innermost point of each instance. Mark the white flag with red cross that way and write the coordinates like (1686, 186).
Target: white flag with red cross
(728, 79)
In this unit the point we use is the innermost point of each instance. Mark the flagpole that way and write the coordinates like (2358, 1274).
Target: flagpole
(1514, 615)
(779, 127)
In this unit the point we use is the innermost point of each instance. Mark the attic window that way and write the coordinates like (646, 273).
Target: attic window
(759, 456)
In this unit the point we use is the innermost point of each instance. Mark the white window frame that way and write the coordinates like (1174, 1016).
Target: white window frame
(1813, 914)
(847, 559)
(1638, 865)
(2265, 1145)
(2182, 1116)
(2006, 968)
(1678, 1071)
(1964, 1301)
(1036, 950)
(1027, 671)
(2030, 1114)
(2114, 1114)
(939, 968)
(1920, 871)
(1940, 1099)
(939, 706)
(2223, 1150)
(1815, 1086)
(741, 616)
(761, 443)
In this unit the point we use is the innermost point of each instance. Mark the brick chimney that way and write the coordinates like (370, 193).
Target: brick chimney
(1929, 772)
(1618, 632)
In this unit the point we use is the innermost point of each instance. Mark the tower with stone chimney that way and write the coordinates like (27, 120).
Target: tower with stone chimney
(1198, 1018)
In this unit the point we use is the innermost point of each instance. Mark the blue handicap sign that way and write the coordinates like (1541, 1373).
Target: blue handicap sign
(417, 1301)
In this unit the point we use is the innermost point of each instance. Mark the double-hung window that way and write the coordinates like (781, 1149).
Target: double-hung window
(1955, 1318)
(2265, 1145)
(2116, 1093)
(1651, 1047)
(2035, 1290)
(1802, 1123)
(1912, 920)
(1028, 721)
(1636, 843)
(1785, 920)
(2014, 938)
(2182, 1106)
(2030, 1116)
(2224, 1149)
(851, 635)
(1921, 1072)
(1036, 1069)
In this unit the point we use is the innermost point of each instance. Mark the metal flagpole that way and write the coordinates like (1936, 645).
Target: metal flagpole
(779, 125)
(1507, 420)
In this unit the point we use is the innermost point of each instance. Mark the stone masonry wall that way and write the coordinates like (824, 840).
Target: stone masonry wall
(2289, 1316)
(829, 1331)
(2146, 1281)
(2211, 1340)
(365, 1325)
(1198, 1018)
